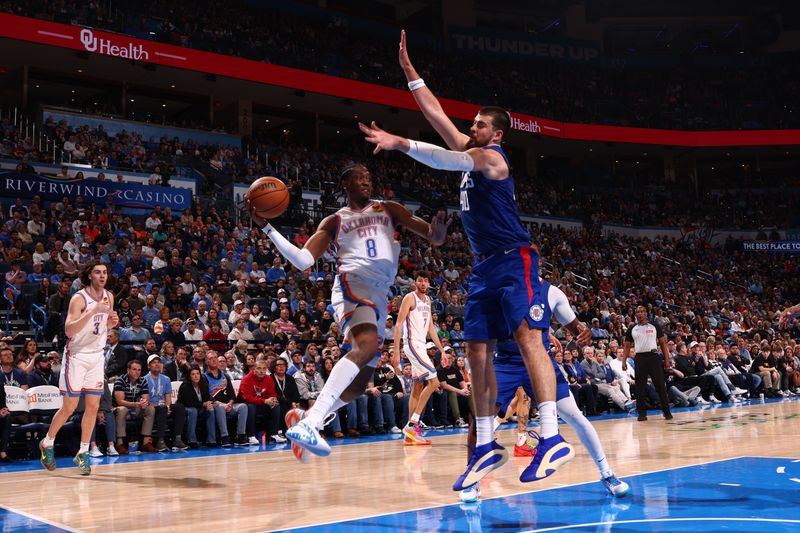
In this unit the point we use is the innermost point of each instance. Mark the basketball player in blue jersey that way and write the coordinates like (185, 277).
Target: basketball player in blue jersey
(89, 316)
(503, 293)
(362, 238)
(511, 375)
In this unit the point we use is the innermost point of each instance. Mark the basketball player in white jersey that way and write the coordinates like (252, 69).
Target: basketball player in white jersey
(414, 326)
(362, 237)
(90, 315)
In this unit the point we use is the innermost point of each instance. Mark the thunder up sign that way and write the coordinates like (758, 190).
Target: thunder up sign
(122, 46)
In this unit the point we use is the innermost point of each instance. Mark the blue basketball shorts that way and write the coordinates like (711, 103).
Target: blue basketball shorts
(504, 290)
(512, 376)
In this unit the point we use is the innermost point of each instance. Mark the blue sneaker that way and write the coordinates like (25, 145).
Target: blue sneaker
(308, 437)
(485, 458)
(615, 487)
(550, 454)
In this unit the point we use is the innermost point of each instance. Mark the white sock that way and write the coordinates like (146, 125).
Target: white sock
(84, 447)
(569, 411)
(548, 419)
(414, 420)
(484, 425)
(48, 442)
(342, 375)
(522, 438)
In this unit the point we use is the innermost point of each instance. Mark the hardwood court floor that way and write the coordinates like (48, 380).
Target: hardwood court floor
(265, 491)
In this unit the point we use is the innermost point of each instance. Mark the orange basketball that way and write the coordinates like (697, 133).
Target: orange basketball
(268, 197)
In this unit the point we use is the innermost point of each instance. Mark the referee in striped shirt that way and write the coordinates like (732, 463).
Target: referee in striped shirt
(647, 339)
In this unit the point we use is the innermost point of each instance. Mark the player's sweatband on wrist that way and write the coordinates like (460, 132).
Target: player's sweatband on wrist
(299, 257)
(416, 84)
(439, 158)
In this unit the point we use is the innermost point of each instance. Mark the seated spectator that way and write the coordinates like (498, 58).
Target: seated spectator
(192, 333)
(17, 278)
(195, 398)
(285, 389)
(222, 398)
(240, 331)
(215, 338)
(132, 400)
(26, 356)
(452, 381)
(9, 374)
(603, 377)
(117, 356)
(257, 391)
(160, 387)
(585, 393)
(42, 372)
(135, 336)
(296, 366)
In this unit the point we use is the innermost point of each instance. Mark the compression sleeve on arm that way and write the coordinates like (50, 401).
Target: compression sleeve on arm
(439, 158)
(559, 304)
(299, 257)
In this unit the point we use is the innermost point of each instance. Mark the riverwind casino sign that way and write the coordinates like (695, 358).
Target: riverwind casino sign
(94, 191)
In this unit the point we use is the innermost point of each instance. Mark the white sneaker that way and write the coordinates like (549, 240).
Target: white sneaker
(95, 452)
(307, 437)
(701, 401)
(111, 451)
(615, 486)
(734, 399)
(714, 399)
(395, 430)
(280, 439)
(737, 391)
(471, 493)
(252, 441)
(461, 424)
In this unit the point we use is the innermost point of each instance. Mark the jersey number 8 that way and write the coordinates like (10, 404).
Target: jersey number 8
(372, 250)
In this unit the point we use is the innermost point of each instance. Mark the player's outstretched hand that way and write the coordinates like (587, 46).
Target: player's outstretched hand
(439, 225)
(585, 336)
(405, 62)
(113, 320)
(257, 220)
(382, 140)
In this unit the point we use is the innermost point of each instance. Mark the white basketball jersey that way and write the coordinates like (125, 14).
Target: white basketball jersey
(365, 245)
(92, 338)
(418, 320)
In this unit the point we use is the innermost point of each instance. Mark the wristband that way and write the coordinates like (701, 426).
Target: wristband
(416, 84)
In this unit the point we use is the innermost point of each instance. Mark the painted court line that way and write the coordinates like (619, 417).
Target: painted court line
(59, 525)
(405, 511)
(662, 520)
(731, 484)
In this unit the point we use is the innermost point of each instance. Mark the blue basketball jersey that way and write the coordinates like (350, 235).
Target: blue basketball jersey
(489, 211)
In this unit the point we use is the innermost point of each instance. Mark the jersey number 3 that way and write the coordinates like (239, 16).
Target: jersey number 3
(372, 250)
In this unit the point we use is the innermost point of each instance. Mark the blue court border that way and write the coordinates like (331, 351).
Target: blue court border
(756, 493)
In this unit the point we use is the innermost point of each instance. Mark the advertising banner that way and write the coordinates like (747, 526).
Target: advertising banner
(94, 191)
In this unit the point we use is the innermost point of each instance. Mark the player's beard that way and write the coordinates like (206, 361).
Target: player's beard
(423, 291)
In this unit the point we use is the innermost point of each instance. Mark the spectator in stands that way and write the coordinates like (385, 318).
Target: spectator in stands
(5, 426)
(160, 388)
(603, 377)
(10, 374)
(192, 334)
(285, 389)
(452, 381)
(296, 363)
(42, 373)
(276, 271)
(257, 391)
(215, 338)
(117, 356)
(240, 331)
(26, 356)
(136, 335)
(195, 398)
(222, 397)
(132, 400)
(17, 279)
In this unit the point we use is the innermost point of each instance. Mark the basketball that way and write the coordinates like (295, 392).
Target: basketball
(268, 197)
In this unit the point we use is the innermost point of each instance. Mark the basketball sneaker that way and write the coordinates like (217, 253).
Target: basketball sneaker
(485, 458)
(471, 493)
(81, 460)
(551, 453)
(307, 436)
(48, 456)
(413, 436)
(292, 418)
(523, 448)
(615, 486)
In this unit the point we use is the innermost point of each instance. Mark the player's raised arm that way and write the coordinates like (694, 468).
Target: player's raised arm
(316, 245)
(559, 304)
(435, 232)
(428, 104)
(489, 162)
